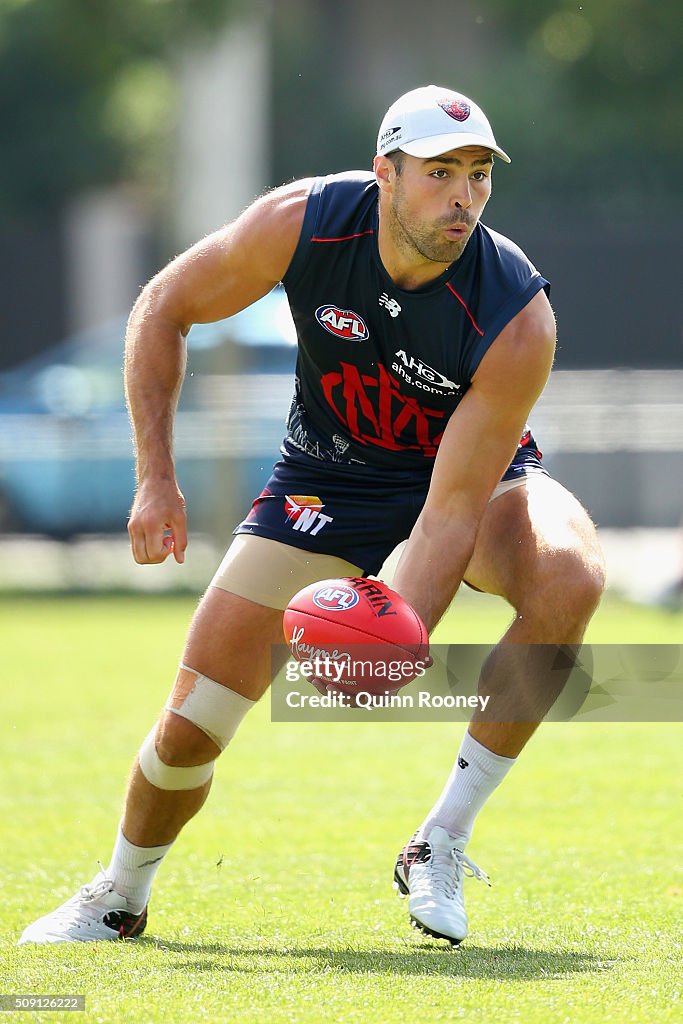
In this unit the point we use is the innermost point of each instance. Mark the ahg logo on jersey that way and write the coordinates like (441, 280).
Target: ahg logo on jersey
(304, 512)
(343, 323)
(437, 381)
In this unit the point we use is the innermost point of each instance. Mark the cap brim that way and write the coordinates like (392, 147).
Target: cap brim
(435, 145)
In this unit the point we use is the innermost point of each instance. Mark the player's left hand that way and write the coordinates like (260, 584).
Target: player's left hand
(158, 523)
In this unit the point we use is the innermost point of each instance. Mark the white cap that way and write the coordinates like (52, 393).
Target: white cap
(432, 120)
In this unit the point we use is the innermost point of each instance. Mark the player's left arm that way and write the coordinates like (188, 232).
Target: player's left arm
(478, 445)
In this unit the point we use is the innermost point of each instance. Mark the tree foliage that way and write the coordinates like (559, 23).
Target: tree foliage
(593, 90)
(86, 91)
(605, 78)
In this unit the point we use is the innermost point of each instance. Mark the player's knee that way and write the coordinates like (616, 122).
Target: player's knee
(167, 762)
(180, 743)
(199, 721)
(587, 579)
(594, 580)
(213, 708)
(569, 583)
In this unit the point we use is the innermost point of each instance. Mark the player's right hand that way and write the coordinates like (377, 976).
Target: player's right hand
(158, 523)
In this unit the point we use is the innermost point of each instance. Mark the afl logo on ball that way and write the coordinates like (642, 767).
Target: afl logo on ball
(457, 109)
(335, 599)
(343, 323)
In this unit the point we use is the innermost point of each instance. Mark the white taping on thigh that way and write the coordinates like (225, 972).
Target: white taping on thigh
(508, 485)
(213, 708)
(165, 776)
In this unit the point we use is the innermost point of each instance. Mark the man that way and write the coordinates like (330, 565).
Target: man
(425, 340)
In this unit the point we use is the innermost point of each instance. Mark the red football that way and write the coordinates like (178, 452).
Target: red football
(359, 635)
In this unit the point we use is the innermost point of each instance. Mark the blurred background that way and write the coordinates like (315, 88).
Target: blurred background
(130, 129)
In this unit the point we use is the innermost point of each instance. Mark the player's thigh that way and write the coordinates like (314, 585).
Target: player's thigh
(236, 633)
(231, 640)
(532, 534)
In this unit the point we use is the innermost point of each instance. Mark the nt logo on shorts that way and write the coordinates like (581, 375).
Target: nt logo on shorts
(304, 512)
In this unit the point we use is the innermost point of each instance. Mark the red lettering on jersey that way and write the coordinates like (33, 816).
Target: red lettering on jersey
(386, 414)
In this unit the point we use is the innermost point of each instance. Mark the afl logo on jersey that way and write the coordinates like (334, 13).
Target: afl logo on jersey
(343, 323)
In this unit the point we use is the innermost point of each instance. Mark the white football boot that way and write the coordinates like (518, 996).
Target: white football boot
(431, 872)
(97, 912)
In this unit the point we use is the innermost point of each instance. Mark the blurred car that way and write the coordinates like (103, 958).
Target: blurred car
(66, 455)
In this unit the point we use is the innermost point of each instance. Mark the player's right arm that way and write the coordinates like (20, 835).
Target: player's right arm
(478, 445)
(217, 277)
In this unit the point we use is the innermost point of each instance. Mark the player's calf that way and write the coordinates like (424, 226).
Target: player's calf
(177, 761)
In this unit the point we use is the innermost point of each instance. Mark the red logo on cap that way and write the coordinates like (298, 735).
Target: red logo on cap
(457, 109)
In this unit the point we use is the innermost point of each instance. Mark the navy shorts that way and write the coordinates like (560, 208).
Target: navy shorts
(351, 512)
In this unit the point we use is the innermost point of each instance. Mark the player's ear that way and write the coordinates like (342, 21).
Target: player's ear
(385, 172)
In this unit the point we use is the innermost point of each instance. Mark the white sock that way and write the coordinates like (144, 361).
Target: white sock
(132, 870)
(476, 773)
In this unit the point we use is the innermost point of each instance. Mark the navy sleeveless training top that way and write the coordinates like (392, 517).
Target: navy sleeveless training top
(381, 369)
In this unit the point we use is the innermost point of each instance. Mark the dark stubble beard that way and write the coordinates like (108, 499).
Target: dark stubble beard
(427, 240)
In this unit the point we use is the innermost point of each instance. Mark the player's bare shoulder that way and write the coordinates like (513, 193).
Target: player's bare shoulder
(288, 201)
(521, 357)
(535, 321)
(272, 224)
(232, 267)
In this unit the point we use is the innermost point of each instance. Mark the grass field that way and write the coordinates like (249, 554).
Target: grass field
(276, 903)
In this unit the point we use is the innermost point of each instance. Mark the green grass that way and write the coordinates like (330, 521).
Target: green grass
(299, 923)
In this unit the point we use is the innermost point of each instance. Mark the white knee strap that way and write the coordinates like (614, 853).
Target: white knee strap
(213, 708)
(166, 776)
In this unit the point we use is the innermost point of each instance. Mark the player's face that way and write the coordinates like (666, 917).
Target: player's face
(436, 203)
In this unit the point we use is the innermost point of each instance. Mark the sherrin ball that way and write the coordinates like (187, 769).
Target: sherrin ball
(362, 625)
